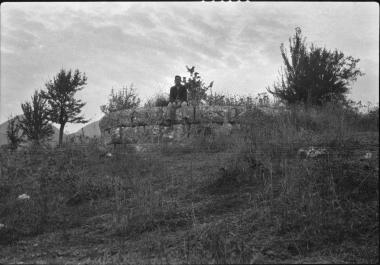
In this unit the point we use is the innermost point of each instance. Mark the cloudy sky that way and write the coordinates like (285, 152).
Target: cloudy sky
(235, 44)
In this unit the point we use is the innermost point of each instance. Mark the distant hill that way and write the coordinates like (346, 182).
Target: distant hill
(4, 140)
(90, 130)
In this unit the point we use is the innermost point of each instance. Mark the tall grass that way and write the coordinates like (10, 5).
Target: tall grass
(250, 194)
(63, 184)
(312, 202)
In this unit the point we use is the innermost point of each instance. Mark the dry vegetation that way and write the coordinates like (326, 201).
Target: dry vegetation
(249, 198)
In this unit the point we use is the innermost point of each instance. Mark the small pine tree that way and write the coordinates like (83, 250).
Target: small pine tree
(34, 123)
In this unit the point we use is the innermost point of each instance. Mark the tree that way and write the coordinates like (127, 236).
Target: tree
(63, 107)
(197, 90)
(14, 134)
(314, 75)
(126, 98)
(35, 124)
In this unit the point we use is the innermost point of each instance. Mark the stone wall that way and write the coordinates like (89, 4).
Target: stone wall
(150, 125)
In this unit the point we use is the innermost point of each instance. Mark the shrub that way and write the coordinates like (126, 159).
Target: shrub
(126, 98)
(159, 100)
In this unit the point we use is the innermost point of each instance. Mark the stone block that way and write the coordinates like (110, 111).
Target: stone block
(149, 125)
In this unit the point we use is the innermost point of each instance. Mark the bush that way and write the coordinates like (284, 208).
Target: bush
(219, 99)
(125, 98)
(158, 100)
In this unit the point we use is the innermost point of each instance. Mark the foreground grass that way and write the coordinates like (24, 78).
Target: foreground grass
(243, 199)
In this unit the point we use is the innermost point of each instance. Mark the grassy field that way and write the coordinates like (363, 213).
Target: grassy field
(247, 198)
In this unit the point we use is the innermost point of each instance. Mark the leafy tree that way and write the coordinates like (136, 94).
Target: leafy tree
(314, 75)
(197, 90)
(14, 134)
(126, 98)
(63, 107)
(34, 123)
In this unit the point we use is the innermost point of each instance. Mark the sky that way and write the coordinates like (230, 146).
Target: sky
(116, 44)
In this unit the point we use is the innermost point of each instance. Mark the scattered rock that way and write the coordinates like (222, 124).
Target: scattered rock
(367, 156)
(2, 226)
(311, 152)
(270, 253)
(140, 148)
(23, 197)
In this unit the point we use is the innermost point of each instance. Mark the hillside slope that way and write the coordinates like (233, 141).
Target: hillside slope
(248, 198)
(3, 134)
(89, 130)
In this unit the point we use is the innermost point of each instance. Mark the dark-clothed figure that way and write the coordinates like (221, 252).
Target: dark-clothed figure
(178, 97)
(178, 93)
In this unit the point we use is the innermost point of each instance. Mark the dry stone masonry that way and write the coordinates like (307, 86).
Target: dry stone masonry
(150, 125)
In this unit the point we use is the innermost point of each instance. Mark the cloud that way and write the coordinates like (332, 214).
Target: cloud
(116, 44)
